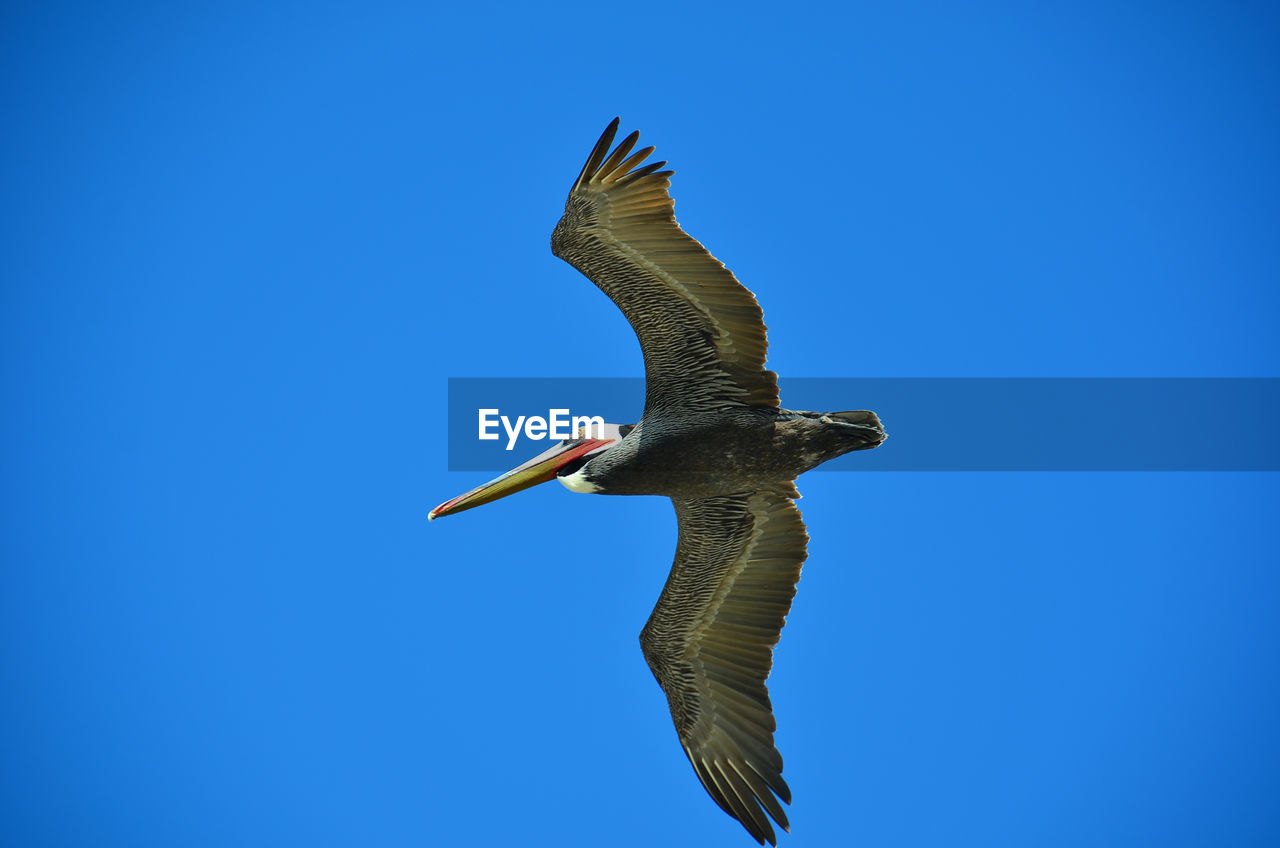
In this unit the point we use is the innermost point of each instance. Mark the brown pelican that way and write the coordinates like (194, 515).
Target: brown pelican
(712, 438)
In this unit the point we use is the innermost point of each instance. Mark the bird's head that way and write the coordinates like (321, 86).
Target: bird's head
(563, 461)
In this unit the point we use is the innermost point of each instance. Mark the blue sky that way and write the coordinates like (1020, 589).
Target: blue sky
(245, 247)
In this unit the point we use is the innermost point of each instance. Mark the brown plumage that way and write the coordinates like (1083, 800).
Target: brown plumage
(712, 438)
(701, 332)
(710, 644)
(710, 639)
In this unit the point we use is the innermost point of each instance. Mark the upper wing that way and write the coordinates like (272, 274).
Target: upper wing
(710, 644)
(702, 334)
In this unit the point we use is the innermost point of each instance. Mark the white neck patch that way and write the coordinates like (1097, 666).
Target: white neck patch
(576, 482)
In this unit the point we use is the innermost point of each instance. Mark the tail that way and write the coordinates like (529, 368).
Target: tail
(861, 426)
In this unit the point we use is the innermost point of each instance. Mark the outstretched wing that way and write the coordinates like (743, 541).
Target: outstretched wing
(702, 334)
(710, 644)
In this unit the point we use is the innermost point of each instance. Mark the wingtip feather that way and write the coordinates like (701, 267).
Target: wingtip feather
(598, 152)
(610, 166)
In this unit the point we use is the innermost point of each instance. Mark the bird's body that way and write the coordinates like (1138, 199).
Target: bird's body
(739, 450)
(712, 438)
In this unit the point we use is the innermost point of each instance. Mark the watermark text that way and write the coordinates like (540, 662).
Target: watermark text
(558, 425)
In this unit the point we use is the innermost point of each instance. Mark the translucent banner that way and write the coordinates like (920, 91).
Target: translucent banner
(934, 424)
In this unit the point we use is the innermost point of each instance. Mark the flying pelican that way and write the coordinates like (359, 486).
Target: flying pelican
(712, 438)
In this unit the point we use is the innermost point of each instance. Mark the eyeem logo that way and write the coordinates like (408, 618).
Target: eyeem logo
(558, 425)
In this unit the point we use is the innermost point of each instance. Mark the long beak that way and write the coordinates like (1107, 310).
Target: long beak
(540, 469)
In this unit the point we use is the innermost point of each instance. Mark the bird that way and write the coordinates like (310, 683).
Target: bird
(714, 439)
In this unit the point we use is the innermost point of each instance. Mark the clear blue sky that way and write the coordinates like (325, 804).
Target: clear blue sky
(245, 245)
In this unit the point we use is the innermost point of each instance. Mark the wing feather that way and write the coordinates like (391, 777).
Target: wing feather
(710, 644)
(701, 332)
